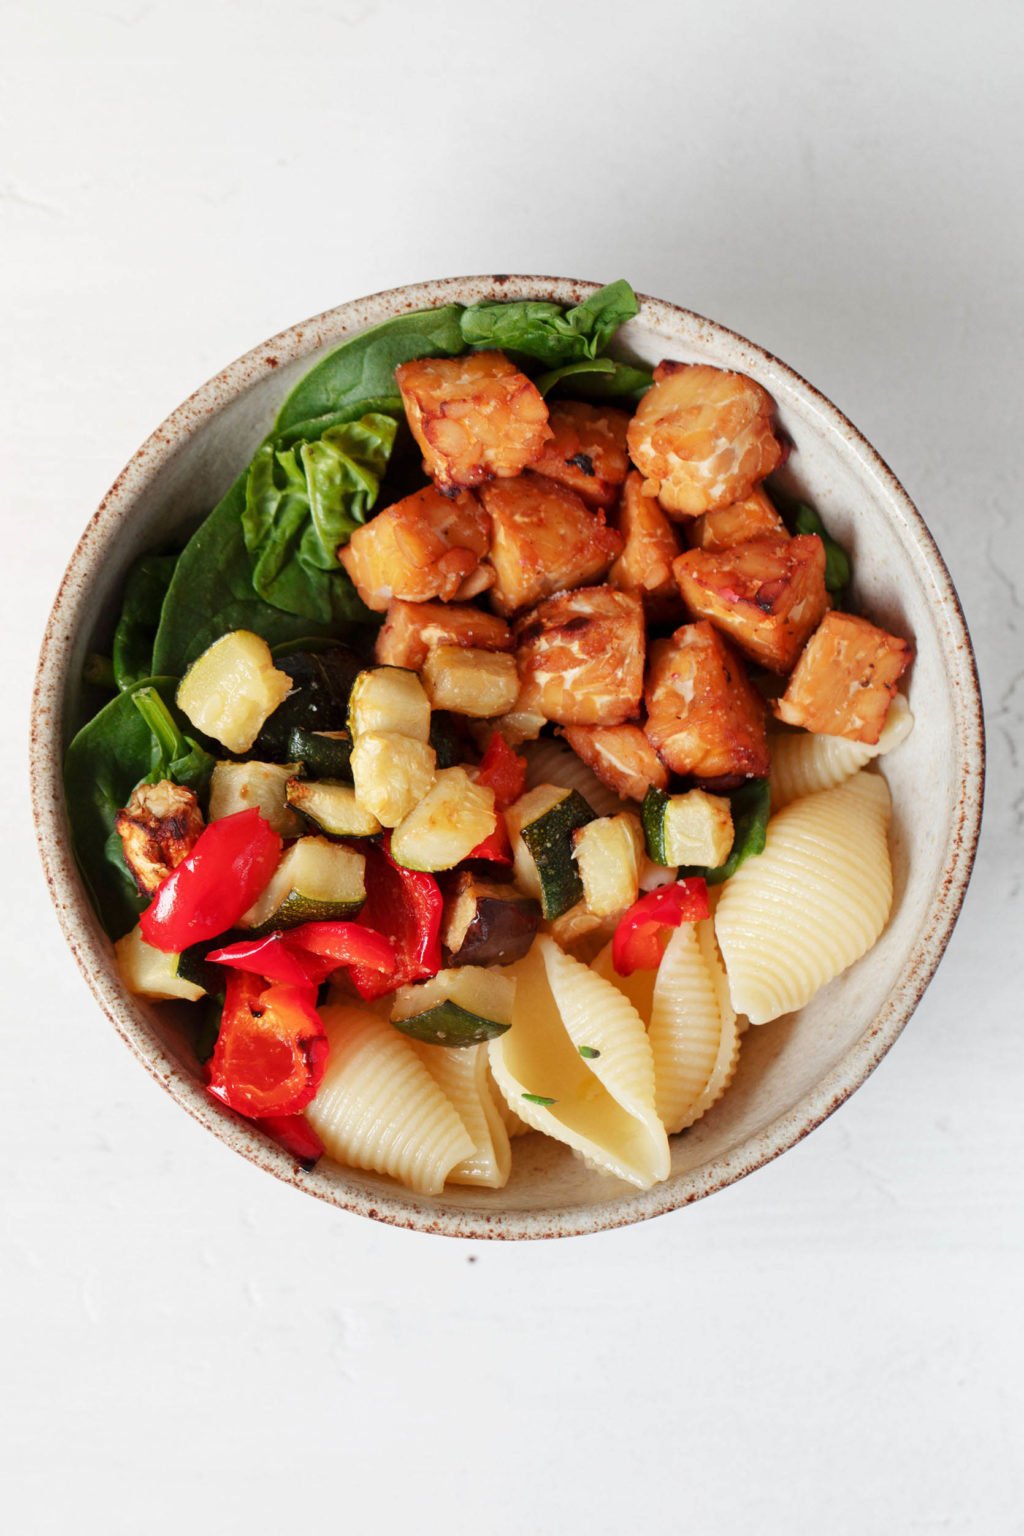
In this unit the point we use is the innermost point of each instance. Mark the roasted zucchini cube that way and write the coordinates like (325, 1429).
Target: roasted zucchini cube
(620, 755)
(845, 680)
(332, 809)
(232, 688)
(487, 924)
(544, 539)
(316, 881)
(471, 682)
(242, 786)
(691, 829)
(650, 546)
(581, 656)
(412, 629)
(608, 854)
(158, 828)
(152, 973)
(389, 699)
(587, 451)
(540, 825)
(474, 417)
(453, 817)
(752, 518)
(391, 774)
(425, 546)
(702, 437)
(703, 716)
(768, 595)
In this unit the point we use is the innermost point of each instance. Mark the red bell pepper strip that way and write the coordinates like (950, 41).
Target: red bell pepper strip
(495, 849)
(405, 906)
(271, 1051)
(305, 956)
(501, 770)
(295, 1134)
(636, 944)
(230, 864)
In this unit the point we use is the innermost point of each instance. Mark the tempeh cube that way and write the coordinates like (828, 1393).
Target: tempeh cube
(474, 417)
(752, 518)
(768, 595)
(587, 451)
(651, 545)
(422, 547)
(412, 629)
(704, 718)
(581, 656)
(620, 755)
(845, 680)
(543, 539)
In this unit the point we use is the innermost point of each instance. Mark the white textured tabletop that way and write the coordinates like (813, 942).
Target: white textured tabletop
(834, 1344)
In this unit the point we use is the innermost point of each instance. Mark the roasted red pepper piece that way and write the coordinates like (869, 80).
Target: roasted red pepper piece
(406, 907)
(295, 1134)
(495, 849)
(504, 772)
(271, 1051)
(275, 959)
(308, 954)
(636, 944)
(213, 885)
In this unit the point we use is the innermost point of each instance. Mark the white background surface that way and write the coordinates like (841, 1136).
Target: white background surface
(835, 1344)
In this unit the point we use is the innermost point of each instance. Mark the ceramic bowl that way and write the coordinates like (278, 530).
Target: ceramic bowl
(793, 1073)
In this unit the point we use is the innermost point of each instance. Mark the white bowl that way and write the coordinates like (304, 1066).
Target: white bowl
(793, 1073)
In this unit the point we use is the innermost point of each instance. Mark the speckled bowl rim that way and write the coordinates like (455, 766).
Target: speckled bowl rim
(91, 950)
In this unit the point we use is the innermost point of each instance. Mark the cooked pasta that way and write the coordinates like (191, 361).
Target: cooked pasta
(804, 763)
(511, 1121)
(551, 762)
(789, 921)
(576, 1065)
(379, 1108)
(463, 1077)
(685, 1028)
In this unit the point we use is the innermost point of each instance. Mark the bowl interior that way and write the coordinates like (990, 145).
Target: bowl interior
(792, 1073)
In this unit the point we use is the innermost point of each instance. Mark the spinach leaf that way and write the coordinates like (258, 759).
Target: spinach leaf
(548, 332)
(212, 592)
(144, 594)
(362, 371)
(111, 754)
(837, 561)
(174, 755)
(302, 502)
(598, 378)
(750, 807)
(98, 672)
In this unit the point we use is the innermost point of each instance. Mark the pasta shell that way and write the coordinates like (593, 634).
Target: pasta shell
(803, 763)
(789, 921)
(378, 1107)
(464, 1078)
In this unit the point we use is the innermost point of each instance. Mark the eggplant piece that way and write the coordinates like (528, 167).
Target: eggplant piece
(321, 684)
(487, 924)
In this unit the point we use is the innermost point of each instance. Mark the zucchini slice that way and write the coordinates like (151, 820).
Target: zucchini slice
(232, 689)
(149, 972)
(244, 786)
(321, 683)
(323, 754)
(389, 699)
(455, 1008)
(448, 737)
(541, 825)
(453, 817)
(695, 828)
(471, 682)
(316, 881)
(332, 808)
(487, 924)
(608, 854)
(391, 774)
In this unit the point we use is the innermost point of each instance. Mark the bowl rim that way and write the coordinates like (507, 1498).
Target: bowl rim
(91, 949)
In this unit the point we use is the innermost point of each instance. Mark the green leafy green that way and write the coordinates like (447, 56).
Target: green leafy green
(538, 1098)
(598, 378)
(98, 672)
(175, 755)
(750, 807)
(144, 594)
(212, 592)
(837, 561)
(589, 1052)
(302, 502)
(362, 371)
(112, 754)
(548, 332)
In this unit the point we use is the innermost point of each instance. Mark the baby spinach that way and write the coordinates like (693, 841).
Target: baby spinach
(302, 502)
(174, 755)
(110, 756)
(144, 594)
(361, 372)
(549, 332)
(598, 378)
(837, 561)
(750, 808)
